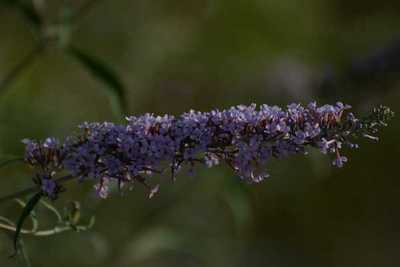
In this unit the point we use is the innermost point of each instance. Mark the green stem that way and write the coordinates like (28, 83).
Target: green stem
(53, 231)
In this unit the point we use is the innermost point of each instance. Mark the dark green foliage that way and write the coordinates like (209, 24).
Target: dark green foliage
(27, 9)
(24, 215)
(101, 71)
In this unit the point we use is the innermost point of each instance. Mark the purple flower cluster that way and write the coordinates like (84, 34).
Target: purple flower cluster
(243, 137)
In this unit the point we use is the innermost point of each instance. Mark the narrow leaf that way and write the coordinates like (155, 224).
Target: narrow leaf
(101, 71)
(35, 222)
(30, 205)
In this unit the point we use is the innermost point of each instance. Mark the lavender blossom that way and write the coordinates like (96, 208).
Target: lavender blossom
(243, 137)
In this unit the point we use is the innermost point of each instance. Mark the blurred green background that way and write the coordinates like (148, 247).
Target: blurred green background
(172, 56)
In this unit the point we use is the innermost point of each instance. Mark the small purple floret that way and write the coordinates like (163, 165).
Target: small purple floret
(245, 138)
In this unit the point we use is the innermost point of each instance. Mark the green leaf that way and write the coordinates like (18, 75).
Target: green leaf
(101, 71)
(35, 222)
(30, 205)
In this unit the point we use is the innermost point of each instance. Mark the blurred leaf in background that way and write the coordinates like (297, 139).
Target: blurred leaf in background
(106, 75)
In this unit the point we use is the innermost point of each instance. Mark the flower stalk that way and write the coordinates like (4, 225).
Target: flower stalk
(245, 138)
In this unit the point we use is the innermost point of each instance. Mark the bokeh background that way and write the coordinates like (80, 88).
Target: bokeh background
(172, 56)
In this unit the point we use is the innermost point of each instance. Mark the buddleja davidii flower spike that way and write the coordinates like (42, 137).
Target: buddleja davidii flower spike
(47, 159)
(243, 137)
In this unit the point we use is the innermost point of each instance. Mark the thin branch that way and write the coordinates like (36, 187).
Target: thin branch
(6, 220)
(55, 230)
(12, 228)
(33, 189)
